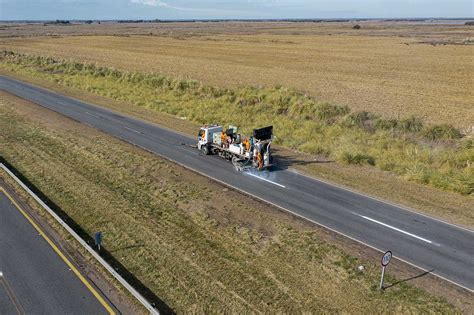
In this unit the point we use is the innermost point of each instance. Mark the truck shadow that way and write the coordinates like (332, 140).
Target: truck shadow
(284, 161)
(159, 304)
(408, 279)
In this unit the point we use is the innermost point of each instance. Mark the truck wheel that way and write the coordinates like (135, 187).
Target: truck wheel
(205, 150)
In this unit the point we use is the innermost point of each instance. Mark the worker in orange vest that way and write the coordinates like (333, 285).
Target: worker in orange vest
(260, 160)
(247, 144)
(223, 136)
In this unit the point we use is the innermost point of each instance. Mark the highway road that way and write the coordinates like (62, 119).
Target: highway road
(34, 278)
(430, 244)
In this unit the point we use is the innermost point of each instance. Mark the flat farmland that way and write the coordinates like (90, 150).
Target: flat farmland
(392, 69)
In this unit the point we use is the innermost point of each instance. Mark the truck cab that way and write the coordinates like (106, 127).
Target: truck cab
(206, 136)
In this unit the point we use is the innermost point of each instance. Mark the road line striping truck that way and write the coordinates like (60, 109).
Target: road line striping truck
(244, 152)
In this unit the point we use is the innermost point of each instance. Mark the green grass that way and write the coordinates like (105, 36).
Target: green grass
(221, 253)
(435, 155)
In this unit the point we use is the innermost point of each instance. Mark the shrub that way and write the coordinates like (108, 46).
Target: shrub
(386, 124)
(441, 132)
(358, 158)
(412, 124)
(326, 111)
(364, 120)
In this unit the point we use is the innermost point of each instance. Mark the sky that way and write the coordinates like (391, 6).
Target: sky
(230, 9)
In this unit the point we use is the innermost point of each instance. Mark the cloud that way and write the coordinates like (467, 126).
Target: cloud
(160, 3)
(151, 3)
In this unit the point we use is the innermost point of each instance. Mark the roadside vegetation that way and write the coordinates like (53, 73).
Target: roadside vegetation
(437, 155)
(199, 247)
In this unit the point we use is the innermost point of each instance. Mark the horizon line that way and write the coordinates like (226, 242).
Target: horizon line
(244, 19)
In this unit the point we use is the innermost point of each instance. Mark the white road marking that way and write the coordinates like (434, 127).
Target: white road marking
(378, 199)
(280, 185)
(131, 129)
(92, 115)
(399, 230)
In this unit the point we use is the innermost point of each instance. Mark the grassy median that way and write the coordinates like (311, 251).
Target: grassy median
(197, 245)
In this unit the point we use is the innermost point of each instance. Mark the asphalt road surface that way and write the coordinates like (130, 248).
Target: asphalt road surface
(444, 249)
(34, 279)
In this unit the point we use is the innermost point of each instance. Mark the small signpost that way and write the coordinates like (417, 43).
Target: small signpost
(98, 239)
(385, 261)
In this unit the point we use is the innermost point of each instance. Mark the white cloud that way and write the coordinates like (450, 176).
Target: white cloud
(159, 3)
(151, 3)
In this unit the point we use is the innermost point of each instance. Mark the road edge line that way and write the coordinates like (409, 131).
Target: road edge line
(387, 202)
(86, 246)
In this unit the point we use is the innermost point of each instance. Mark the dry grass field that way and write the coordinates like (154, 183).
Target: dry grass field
(198, 257)
(395, 69)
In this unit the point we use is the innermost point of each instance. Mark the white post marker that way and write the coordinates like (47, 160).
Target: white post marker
(385, 261)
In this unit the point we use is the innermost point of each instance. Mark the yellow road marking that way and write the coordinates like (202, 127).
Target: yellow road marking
(64, 258)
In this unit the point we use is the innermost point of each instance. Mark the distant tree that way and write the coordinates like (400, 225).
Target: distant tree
(469, 23)
(60, 22)
(356, 27)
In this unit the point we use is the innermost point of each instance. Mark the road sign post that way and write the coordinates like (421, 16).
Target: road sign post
(98, 239)
(385, 261)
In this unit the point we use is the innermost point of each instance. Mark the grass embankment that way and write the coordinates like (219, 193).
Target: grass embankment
(199, 247)
(429, 154)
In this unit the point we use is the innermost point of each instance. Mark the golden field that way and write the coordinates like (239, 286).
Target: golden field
(394, 69)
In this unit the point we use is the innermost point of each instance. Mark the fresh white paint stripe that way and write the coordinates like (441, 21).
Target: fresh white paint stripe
(131, 129)
(92, 115)
(401, 231)
(378, 199)
(280, 185)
